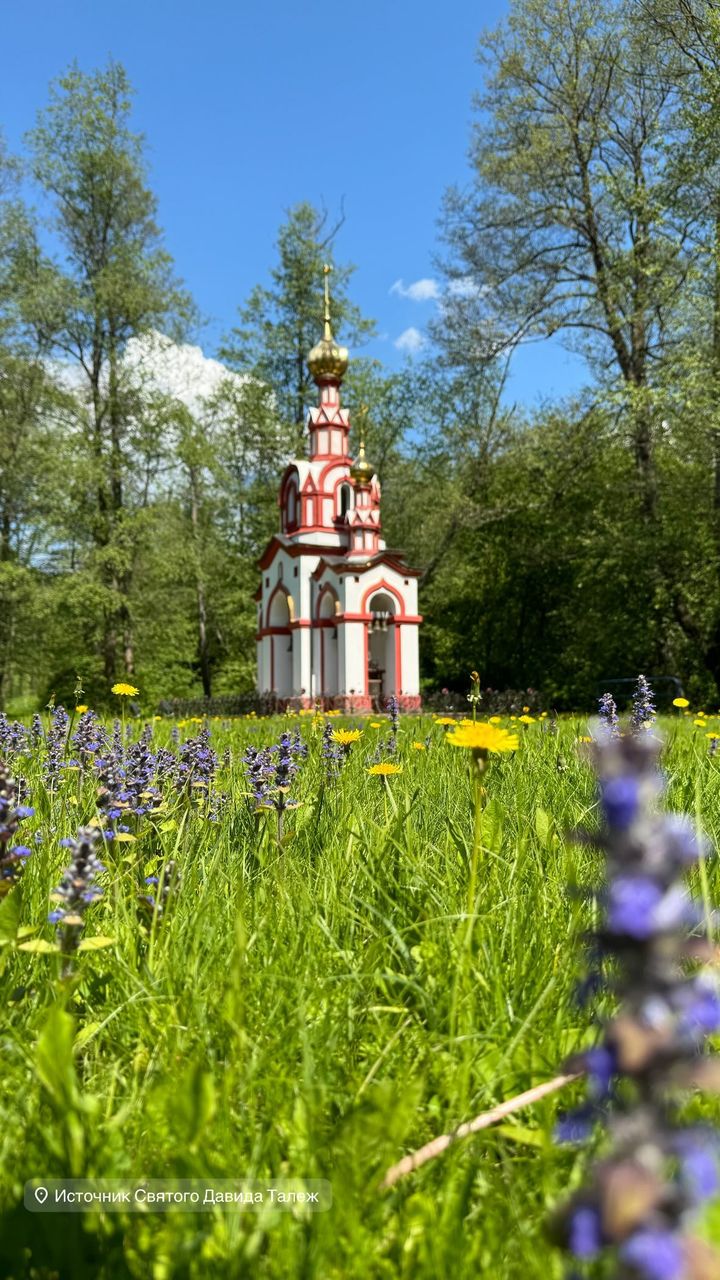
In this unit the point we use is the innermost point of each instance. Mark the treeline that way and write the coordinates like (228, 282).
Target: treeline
(560, 548)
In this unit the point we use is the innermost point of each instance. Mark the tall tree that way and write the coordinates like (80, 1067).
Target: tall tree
(280, 323)
(29, 451)
(571, 225)
(113, 281)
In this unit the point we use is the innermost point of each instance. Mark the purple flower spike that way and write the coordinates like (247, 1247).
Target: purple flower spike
(656, 1255)
(585, 1237)
(639, 1196)
(632, 901)
(620, 798)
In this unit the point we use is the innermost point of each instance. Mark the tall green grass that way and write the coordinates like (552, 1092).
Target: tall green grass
(315, 1009)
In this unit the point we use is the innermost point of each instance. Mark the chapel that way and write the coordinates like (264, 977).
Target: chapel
(337, 610)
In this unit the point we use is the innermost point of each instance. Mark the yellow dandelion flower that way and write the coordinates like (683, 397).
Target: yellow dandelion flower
(680, 702)
(495, 719)
(385, 770)
(333, 713)
(346, 736)
(525, 710)
(700, 723)
(377, 724)
(484, 738)
(584, 739)
(418, 746)
(526, 719)
(713, 734)
(81, 709)
(125, 690)
(446, 720)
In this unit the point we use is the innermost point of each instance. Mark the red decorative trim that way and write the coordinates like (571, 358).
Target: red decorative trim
(384, 585)
(335, 460)
(320, 528)
(325, 590)
(272, 631)
(279, 586)
(294, 549)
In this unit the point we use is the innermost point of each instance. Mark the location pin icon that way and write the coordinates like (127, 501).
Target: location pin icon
(41, 1194)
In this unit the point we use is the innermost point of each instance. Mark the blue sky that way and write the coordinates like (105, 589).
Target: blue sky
(250, 107)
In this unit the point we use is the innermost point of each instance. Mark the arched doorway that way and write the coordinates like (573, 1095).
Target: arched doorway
(329, 670)
(280, 615)
(381, 648)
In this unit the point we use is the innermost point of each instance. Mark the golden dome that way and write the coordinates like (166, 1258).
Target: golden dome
(327, 359)
(361, 470)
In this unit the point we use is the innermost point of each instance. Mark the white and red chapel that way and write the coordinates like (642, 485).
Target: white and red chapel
(337, 610)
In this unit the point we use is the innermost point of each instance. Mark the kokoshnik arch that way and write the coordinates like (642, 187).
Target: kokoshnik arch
(337, 610)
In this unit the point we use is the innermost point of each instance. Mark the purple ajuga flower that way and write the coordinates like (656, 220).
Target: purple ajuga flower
(393, 710)
(697, 1152)
(12, 856)
(332, 753)
(584, 1232)
(655, 1254)
(619, 798)
(608, 715)
(653, 1167)
(89, 739)
(55, 743)
(271, 772)
(77, 889)
(643, 706)
(14, 738)
(632, 903)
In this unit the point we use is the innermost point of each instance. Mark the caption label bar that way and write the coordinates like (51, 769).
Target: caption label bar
(192, 1195)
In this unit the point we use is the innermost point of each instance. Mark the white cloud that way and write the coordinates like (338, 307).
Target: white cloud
(425, 290)
(410, 340)
(160, 366)
(179, 370)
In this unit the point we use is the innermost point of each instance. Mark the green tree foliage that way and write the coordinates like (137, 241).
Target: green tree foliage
(111, 282)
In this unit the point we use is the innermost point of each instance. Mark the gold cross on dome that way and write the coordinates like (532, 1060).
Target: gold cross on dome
(326, 272)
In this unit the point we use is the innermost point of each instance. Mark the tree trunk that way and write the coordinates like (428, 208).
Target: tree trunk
(203, 655)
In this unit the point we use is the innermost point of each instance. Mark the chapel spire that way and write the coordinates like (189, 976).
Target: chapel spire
(328, 361)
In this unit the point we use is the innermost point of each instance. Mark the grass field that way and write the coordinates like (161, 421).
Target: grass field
(314, 1008)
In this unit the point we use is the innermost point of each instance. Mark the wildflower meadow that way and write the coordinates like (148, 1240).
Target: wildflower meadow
(306, 946)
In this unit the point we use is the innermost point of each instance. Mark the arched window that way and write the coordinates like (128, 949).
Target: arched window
(346, 500)
(291, 506)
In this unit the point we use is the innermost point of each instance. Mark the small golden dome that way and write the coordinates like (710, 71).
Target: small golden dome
(327, 359)
(361, 470)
